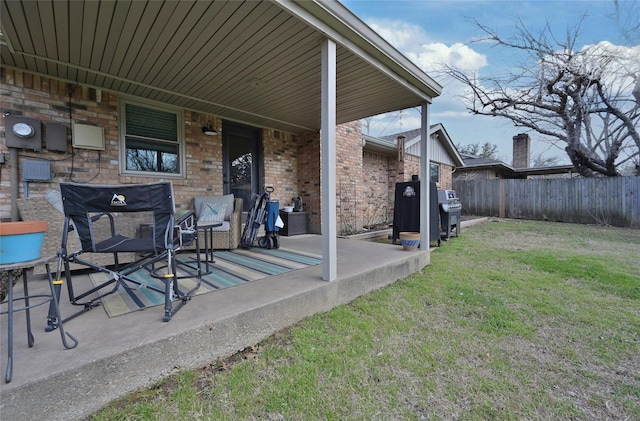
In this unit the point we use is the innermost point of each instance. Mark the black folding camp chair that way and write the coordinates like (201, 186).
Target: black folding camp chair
(158, 240)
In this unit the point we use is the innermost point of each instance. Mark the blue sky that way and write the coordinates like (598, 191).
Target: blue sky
(428, 31)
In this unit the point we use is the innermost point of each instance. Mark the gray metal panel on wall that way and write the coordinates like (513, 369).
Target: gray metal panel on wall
(13, 140)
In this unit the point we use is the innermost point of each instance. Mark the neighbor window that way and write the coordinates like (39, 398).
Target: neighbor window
(152, 139)
(435, 172)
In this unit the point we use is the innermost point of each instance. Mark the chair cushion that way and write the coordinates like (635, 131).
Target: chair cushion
(212, 212)
(227, 198)
(55, 198)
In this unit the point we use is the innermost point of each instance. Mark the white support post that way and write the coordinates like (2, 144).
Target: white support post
(425, 171)
(328, 158)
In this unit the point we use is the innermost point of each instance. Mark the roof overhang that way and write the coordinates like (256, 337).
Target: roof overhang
(379, 146)
(557, 169)
(492, 165)
(446, 142)
(252, 62)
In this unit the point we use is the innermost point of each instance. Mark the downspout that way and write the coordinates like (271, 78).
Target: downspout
(13, 180)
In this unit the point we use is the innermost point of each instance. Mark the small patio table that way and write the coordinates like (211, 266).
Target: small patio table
(46, 298)
(208, 227)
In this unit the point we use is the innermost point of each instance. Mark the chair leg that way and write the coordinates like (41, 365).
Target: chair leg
(170, 285)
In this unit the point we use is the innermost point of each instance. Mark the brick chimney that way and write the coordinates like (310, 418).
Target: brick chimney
(521, 151)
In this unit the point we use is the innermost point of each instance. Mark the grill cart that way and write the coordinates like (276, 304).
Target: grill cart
(450, 212)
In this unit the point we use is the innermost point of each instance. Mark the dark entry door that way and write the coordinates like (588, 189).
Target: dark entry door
(243, 166)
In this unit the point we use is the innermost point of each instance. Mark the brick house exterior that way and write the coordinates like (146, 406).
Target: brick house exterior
(366, 180)
(48, 100)
(383, 167)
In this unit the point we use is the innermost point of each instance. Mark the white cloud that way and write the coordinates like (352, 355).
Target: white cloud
(403, 36)
(432, 56)
(415, 43)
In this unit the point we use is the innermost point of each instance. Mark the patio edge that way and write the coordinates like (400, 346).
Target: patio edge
(80, 392)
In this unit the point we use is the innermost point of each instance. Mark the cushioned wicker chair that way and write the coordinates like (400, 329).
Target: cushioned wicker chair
(226, 236)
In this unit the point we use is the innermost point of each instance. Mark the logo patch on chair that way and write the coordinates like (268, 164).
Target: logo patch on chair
(118, 200)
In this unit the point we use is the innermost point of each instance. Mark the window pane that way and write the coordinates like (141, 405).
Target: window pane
(150, 123)
(151, 156)
(152, 140)
(435, 173)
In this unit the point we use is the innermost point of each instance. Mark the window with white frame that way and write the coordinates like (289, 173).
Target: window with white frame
(152, 139)
(435, 172)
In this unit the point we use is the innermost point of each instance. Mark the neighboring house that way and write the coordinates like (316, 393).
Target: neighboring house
(217, 97)
(445, 158)
(368, 200)
(480, 168)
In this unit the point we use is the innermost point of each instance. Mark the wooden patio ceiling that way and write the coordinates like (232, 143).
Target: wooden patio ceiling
(256, 62)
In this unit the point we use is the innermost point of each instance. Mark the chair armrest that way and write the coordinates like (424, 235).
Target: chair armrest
(188, 218)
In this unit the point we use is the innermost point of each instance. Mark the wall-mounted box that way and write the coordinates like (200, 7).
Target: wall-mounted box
(55, 136)
(88, 137)
(36, 170)
(23, 132)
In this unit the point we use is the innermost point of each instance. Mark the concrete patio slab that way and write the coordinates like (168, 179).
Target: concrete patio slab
(119, 355)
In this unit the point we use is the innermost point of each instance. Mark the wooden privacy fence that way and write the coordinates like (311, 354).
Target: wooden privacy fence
(608, 200)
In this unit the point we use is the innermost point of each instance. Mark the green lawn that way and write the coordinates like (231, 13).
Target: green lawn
(513, 320)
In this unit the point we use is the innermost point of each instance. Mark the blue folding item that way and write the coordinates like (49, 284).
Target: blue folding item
(271, 240)
(263, 211)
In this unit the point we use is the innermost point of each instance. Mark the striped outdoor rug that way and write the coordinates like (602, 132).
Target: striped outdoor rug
(233, 267)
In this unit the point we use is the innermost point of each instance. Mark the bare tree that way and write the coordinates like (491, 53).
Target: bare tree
(626, 17)
(486, 150)
(583, 99)
(470, 176)
(542, 161)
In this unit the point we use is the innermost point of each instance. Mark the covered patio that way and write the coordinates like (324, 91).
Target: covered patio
(118, 355)
(296, 67)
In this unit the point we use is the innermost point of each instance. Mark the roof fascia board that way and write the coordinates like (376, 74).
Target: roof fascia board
(448, 144)
(374, 144)
(445, 140)
(487, 166)
(559, 169)
(337, 22)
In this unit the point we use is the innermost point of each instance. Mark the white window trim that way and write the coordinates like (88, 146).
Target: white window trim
(439, 171)
(123, 146)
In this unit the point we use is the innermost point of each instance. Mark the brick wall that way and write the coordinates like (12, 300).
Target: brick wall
(280, 152)
(412, 166)
(350, 191)
(291, 163)
(446, 177)
(48, 100)
(349, 163)
(308, 166)
(379, 189)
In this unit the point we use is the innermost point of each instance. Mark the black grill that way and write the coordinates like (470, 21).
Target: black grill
(406, 214)
(450, 212)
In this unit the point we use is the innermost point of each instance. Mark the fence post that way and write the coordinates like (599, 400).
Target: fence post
(501, 209)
